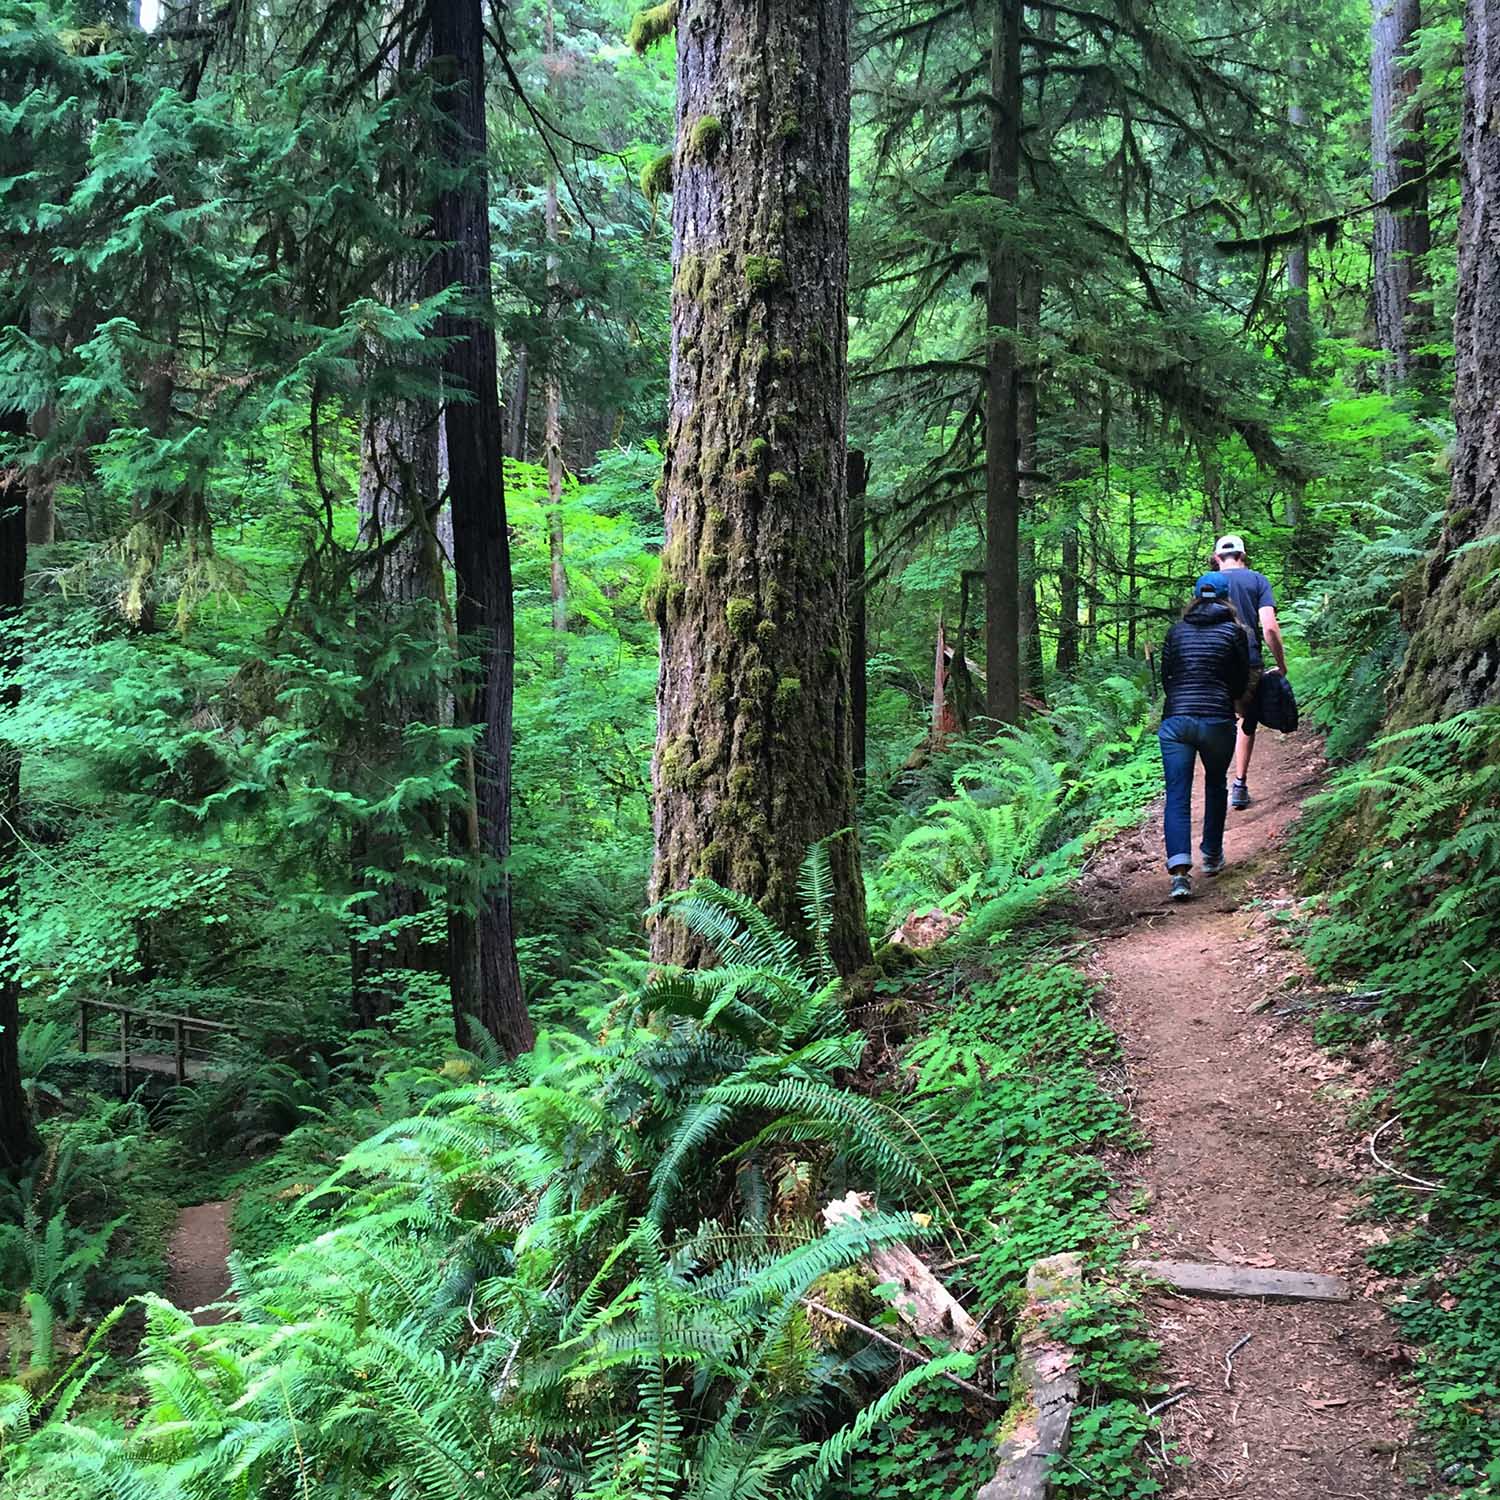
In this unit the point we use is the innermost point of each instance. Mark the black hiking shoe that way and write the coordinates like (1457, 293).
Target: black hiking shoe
(1182, 886)
(1212, 863)
(1239, 795)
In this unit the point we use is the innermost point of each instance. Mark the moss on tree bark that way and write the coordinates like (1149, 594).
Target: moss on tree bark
(753, 753)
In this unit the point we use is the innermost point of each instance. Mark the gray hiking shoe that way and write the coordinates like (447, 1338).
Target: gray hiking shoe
(1239, 794)
(1182, 886)
(1212, 863)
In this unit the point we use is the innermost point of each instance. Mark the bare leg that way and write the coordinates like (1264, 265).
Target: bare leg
(1244, 747)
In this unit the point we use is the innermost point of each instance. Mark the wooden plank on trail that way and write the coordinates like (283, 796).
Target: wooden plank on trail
(1243, 1281)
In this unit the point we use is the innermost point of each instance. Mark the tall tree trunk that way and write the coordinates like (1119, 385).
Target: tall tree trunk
(1453, 661)
(1002, 498)
(1033, 671)
(1298, 312)
(17, 1142)
(515, 408)
(41, 481)
(753, 756)
(553, 401)
(1132, 584)
(1067, 607)
(857, 472)
(400, 589)
(1401, 235)
(485, 975)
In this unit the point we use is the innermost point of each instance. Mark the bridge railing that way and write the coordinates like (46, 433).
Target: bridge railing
(149, 1041)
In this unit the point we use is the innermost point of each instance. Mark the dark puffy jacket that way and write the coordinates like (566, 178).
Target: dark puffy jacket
(1205, 664)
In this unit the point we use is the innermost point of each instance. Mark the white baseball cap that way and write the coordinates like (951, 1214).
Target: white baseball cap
(1230, 543)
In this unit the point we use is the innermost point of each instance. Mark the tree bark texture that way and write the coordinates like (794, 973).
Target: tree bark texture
(1067, 597)
(17, 1142)
(857, 472)
(515, 407)
(41, 481)
(753, 752)
(1453, 661)
(485, 975)
(399, 586)
(1002, 497)
(1401, 235)
(1033, 671)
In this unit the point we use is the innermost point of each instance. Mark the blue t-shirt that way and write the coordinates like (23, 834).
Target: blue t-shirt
(1249, 591)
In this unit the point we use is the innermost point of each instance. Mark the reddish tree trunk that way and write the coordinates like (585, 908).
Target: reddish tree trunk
(485, 975)
(753, 757)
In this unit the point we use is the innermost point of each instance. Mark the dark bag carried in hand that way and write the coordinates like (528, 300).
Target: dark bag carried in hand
(1276, 703)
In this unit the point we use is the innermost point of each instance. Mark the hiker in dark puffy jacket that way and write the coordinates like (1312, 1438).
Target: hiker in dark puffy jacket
(1205, 666)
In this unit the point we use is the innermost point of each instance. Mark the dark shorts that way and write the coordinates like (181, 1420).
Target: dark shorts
(1247, 707)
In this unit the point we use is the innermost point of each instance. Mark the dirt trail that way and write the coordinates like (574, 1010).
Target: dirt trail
(1249, 1163)
(197, 1273)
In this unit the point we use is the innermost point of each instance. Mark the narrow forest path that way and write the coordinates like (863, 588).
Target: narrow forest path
(1250, 1163)
(197, 1258)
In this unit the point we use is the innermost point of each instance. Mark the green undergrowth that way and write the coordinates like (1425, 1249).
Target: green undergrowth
(1401, 859)
(590, 1272)
(1005, 1088)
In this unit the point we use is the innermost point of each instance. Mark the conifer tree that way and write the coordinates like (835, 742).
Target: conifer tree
(753, 751)
(485, 974)
(398, 579)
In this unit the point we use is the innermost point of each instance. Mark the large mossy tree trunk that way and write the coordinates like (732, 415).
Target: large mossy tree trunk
(17, 1142)
(1453, 661)
(484, 971)
(753, 750)
(1401, 235)
(1002, 486)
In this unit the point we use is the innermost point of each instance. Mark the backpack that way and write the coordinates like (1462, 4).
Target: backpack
(1276, 703)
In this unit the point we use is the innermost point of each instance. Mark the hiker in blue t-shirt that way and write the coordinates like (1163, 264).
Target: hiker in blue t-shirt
(1250, 593)
(1205, 665)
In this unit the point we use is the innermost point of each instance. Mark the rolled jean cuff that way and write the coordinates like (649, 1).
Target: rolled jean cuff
(1176, 862)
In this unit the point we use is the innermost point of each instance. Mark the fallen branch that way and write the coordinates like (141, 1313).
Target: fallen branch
(1420, 1183)
(1178, 1395)
(1229, 1359)
(900, 1348)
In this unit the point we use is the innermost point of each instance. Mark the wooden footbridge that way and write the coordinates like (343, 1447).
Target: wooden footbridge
(146, 1044)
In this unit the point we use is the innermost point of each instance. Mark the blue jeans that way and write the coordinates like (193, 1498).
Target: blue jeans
(1184, 738)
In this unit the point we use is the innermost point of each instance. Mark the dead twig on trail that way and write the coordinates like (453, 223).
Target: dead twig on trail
(1229, 1360)
(1179, 1394)
(1419, 1183)
(900, 1348)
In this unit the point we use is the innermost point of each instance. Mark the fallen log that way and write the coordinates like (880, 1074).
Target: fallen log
(924, 1304)
(1040, 1419)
